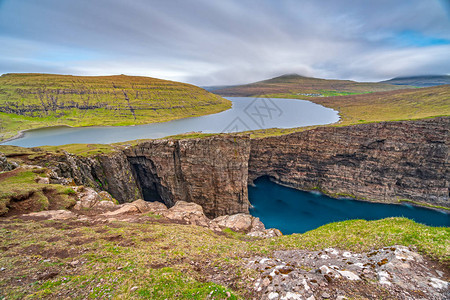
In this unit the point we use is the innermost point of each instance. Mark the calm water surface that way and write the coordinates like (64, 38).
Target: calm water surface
(294, 211)
(245, 114)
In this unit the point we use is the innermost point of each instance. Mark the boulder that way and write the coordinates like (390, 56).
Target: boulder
(266, 233)
(238, 222)
(138, 206)
(105, 205)
(105, 196)
(6, 165)
(189, 213)
(87, 198)
(52, 215)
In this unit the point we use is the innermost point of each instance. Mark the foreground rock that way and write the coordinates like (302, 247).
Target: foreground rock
(6, 165)
(52, 215)
(246, 223)
(137, 207)
(394, 272)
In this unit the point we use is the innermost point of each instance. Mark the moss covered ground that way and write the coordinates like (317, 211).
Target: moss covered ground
(151, 259)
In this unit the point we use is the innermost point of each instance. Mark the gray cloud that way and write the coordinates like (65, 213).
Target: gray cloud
(226, 42)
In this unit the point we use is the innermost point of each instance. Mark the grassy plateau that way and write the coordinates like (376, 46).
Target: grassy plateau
(30, 101)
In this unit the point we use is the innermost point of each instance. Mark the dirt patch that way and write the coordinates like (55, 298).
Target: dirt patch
(53, 239)
(79, 242)
(48, 274)
(12, 173)
(114, 238)
(157, 266)
(127, 243)
(148, 240)
(26, 203)
(32, 249)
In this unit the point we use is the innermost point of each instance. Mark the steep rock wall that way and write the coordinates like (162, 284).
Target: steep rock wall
(210, 171)
(379, 161)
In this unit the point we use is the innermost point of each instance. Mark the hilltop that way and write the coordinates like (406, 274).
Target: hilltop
(30, 101)
(420, 81)
(293, 85)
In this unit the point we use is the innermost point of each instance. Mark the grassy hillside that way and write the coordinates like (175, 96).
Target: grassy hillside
(37, 100)
(289, 86)
(408, 104)
(421, 81)
(150, 258)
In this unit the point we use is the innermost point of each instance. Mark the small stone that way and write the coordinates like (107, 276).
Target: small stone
(273, 296)
(438, 284)
(349, 275)
(74, 263)
(2, 269)
(325, 295)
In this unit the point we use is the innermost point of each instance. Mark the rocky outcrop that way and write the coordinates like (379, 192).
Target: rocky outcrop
(211, 172)
(6, 165)
(391, 273)
(380, 161)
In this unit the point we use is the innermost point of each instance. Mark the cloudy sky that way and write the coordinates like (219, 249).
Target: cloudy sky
(219, 42)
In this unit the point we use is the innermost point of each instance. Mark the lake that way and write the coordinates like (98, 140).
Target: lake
(245, 114)
(295, 211)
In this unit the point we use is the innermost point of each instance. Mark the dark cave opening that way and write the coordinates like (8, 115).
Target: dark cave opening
(149, 184)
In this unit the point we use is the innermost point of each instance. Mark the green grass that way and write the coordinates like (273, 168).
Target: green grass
(169, 261)
(30, 101)
(20, 186)
(409, 104)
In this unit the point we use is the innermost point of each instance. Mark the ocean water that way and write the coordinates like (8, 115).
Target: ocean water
(294, 211)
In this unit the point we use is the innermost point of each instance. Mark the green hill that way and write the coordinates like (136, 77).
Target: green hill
(294, 85)
(37, 100)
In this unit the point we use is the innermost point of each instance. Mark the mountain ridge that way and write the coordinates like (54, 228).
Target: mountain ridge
(420, 80)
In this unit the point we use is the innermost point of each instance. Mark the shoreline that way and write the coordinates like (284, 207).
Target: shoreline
(21, 133)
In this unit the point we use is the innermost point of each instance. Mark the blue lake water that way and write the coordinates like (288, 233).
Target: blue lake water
(294, 211)
(245, 114)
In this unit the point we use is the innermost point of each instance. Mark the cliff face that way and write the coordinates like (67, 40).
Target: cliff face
(380, 161)
(211, 172)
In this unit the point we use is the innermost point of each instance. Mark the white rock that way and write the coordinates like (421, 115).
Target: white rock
(291, 296)
(332, 251)
(438, 284)
(383, 278)
(54, 214)
(273, 295)
(347, 254)
(349, 275)
(305, 285)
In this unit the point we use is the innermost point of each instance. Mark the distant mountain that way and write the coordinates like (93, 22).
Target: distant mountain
(297, 85)
(420, 81)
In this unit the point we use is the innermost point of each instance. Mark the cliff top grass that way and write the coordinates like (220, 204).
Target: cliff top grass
(151, 259)
(21, 189)
(30, 101)
(409, 104)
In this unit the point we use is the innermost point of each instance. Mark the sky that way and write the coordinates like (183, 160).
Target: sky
(224, 42)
